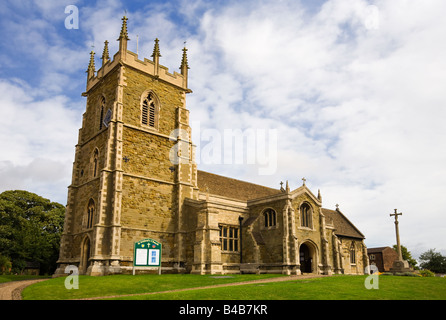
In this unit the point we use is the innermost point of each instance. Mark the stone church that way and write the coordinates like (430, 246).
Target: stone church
(125, 188)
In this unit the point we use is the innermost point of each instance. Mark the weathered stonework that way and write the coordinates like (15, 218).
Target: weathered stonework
(141, 180)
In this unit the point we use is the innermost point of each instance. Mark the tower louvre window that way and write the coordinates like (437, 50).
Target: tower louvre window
(149, 111)
(152, 114)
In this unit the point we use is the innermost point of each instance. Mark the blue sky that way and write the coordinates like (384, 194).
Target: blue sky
(354, 90)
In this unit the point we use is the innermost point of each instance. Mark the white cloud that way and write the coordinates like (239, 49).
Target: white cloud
(359, 110)
(37, 141)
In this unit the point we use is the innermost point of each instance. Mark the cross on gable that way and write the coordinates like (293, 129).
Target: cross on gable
(303, 179)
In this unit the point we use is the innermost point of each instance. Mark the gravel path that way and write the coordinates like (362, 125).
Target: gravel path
(13, 290)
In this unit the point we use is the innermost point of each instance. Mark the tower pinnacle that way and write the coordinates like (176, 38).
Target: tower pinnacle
(124, 34)
(123, 38)
(91, 68)
(184, 67)
(156, 56)
(105, 54)
(156, 49)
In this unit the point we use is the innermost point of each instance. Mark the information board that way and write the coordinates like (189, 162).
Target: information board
(147, 253)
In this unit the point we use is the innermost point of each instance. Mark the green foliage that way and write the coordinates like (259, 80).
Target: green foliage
(406, 256)
(5, 265)
(433, 261)
(427, 273)
(30, 229)
(406, 274)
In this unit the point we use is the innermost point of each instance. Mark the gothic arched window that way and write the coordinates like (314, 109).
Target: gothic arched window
(352, 253)
(306, 219)
(149, 111)
(90, 213)
(269, 216)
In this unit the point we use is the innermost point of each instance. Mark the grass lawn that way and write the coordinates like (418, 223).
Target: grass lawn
(8, 278)
(330, 288)
(54, 289)
(327, 288)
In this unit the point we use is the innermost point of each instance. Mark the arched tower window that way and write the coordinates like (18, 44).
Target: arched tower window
(352, 253)
(269, 216)
(90, 213)
(306, 216)
(101, 116)
(95, 162)
(149, 111)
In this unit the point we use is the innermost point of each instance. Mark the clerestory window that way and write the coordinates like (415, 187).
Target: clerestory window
(269, 216)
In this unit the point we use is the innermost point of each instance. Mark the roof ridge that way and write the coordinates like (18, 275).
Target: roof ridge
(256, 184)
(232, 188)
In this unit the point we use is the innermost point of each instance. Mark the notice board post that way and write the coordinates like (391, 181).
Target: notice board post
(147, 253)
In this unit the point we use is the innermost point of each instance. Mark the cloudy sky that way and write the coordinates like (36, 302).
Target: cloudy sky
(349, 94)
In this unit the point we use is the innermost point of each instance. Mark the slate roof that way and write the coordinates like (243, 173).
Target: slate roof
(232, 188)
(342, 225)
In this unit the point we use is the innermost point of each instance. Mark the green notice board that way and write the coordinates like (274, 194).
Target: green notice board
(147, 253)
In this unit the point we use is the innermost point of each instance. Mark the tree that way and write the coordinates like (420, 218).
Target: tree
(5, 264)
(433, 261)
(406, 256)
(30, 229)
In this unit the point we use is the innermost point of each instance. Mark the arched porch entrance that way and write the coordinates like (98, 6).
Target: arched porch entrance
(307, 258)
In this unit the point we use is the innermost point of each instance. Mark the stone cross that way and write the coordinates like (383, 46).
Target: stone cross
(303, 179)
(400, 255)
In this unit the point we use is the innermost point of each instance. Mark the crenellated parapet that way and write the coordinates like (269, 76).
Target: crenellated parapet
(128, 58)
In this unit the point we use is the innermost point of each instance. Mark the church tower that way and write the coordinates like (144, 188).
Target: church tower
(134, 164)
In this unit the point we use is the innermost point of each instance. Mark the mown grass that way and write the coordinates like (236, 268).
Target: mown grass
(327, 288)
(54, 289)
